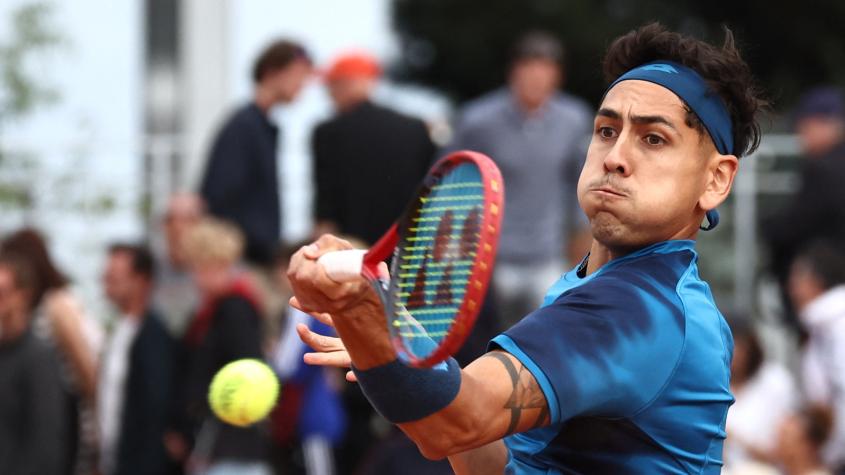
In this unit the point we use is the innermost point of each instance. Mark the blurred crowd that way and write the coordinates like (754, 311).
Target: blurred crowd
(127, 393)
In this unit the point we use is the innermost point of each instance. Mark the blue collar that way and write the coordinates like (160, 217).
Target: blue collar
(570, 279)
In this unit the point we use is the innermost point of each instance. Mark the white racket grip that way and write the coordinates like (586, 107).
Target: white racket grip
(343, 266)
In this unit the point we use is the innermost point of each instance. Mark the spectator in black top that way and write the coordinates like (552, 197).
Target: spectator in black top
(135, 387)
(240, 182)
(817, 211)
(32, 409)
(225, 328)
(368, 159)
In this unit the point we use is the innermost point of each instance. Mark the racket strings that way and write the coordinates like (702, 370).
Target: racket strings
(436, 257)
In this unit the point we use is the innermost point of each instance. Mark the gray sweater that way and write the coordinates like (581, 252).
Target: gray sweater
(540, 158)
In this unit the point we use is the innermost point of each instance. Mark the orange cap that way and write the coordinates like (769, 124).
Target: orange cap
(354, 65)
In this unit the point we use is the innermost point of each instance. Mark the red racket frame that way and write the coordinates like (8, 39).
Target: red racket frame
(482, 268)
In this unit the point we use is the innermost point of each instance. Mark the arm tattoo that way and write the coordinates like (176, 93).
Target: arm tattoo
(525, 394)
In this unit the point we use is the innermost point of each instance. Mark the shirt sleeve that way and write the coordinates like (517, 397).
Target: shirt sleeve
(600, 350)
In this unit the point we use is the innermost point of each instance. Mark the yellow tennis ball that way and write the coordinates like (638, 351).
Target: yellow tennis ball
(243, 392)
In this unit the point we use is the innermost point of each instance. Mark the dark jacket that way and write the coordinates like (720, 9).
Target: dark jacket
(817, 211)
(368, 163)
(224, 330)
(240, 183)
(32, 410)
(147, 396)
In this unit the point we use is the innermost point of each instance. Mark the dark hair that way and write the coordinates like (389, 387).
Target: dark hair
(143, 263)
(29, 244)
(538, 45)
(742, 329)
(826, 261)
(278, 55)
(721, 67)
(25, 276)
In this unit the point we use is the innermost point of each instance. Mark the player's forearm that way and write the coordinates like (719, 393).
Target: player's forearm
(363, 329)
(465, 424)
(497, 397)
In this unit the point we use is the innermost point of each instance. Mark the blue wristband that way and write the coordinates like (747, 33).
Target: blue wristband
(401, 393)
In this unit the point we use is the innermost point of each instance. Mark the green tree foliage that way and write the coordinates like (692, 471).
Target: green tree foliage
(20, 90)
(461, 46)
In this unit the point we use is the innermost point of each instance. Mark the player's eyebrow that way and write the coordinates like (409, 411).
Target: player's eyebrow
(609, 113)
(637, 119)
(652, 119)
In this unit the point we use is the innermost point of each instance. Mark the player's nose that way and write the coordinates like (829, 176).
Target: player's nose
(618, 158)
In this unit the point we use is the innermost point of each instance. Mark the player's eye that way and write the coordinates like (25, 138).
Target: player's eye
(606, 132)
(653, 139)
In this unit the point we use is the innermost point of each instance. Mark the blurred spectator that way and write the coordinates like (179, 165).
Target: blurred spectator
(175, 294)
(368, 159)
(817, 287)
(801, 438)
(765, 396)
(309, 419)
(59, 320)
(538, 136)
(226, 328)
(134, 393)
(817, 211)
(32, 408)
(241, 178)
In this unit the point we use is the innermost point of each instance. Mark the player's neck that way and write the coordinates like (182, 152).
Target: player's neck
(599, 256)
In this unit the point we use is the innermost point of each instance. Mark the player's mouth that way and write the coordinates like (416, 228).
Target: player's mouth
(608, 191)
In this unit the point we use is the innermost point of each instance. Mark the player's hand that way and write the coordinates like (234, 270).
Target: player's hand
(329, 350)
(314, 291)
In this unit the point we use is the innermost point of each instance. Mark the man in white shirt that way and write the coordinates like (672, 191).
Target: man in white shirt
(134, 390)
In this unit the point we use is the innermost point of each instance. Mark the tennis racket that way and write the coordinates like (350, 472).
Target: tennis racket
(443, 249)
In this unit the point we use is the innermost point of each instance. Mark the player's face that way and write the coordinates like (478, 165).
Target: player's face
(649, 176)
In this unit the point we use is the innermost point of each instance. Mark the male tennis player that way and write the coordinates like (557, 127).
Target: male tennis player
(625, 367)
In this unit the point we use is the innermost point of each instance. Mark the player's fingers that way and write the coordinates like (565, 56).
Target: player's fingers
(325, 243)
(338, 359)
(324, 318)
(321, 317)
(317, 341)
(295, 303)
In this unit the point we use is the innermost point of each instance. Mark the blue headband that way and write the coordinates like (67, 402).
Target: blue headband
(692, 89)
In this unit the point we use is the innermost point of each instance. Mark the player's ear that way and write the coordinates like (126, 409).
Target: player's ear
(720, 175)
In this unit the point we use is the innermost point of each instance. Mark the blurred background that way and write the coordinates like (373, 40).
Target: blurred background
(108, 111)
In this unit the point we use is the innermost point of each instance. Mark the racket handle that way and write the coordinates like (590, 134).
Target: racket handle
(343, 266)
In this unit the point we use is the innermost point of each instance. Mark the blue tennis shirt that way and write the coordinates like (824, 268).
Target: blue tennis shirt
(634, 362)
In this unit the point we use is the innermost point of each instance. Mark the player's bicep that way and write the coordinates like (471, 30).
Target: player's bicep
(513, 399)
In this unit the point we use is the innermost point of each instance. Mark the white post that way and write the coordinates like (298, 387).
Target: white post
(204, 67)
